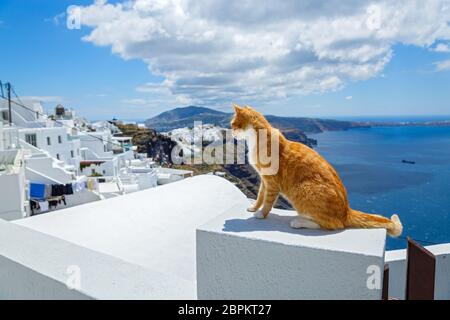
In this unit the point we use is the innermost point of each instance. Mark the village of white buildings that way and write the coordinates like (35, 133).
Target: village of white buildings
(50, 162)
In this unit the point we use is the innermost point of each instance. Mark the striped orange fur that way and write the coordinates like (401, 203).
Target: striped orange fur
(305, 179)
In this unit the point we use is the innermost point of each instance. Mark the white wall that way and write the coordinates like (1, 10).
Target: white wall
(23, 117)
(154, 228)
(8, 137)
(62, 149)
(237, 256)
(107, 168)
(241, 257)
(147, 180)
(79, 198)
(12, 196)
(397, 271)
(43, 170)
(97, 142)
(37, 266)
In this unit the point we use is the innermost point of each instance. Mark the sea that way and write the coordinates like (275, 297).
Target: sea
(369, 161)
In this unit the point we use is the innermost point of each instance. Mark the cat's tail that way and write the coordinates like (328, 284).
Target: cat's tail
(358, 219)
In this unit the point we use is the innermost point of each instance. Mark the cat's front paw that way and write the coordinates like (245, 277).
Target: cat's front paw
(259, 214)
(251, 209)
(296, 223)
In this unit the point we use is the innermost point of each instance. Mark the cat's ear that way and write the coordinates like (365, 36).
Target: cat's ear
(237, 108)
(248, 107)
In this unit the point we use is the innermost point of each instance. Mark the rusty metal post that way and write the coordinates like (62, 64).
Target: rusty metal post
(385, 292)
(420, 272)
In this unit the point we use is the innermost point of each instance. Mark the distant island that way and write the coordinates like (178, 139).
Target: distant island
(438, 123)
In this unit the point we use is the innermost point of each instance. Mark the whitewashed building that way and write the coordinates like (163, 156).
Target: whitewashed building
(13, 185)
(62, 149)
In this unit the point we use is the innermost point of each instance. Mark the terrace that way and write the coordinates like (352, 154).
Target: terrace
(192, 239)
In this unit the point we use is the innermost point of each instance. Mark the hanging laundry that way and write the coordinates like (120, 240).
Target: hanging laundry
(34, 206)
(54, 190)
(48, 191)
(58, 190)
(52, 203)
(44, 206)
(37, 190)
(77, 186)
(69, 189)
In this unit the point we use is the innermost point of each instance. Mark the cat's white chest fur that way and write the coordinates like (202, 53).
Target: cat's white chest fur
(250, 138)
(249, 135)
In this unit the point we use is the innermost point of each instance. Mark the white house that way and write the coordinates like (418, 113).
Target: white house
(56, 141)
(61, 149)
(13, 198)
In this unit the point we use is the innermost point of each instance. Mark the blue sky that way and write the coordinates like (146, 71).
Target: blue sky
(42, 58)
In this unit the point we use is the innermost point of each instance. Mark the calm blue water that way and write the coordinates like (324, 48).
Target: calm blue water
(369, 162)
(394, 118)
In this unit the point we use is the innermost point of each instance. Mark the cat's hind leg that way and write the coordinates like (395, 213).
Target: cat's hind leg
(301, 222)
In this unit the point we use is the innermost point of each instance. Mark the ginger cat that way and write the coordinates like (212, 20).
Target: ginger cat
(304, 178)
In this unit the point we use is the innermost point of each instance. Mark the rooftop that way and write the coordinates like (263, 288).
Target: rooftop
(237, 221)
(154, 232)
(153, 228)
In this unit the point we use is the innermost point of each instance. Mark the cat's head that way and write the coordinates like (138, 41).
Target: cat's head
(246, 118)
(241, 122)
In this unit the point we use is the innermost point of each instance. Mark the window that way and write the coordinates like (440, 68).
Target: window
(93, 172)
(57, 156)
(72, 153)
(31, 139)
(59, 139)
(48, 141)
(5, 115)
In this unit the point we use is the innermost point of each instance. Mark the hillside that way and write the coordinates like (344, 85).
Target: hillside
(185, 117)
(149, 141)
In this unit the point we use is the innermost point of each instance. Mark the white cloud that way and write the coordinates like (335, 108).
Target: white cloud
(348, 97)
(161, 93)
(138, 102)
(49, 99)
(442, 47)
(157, 95)
(443, 65)
(214, 51)
(95, 95)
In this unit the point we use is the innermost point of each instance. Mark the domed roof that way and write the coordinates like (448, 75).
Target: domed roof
(59, 110)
